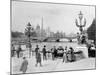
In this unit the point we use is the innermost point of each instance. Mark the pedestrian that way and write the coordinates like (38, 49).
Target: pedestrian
(18, 51)
(30, 50)
(55, 52)
(36, 50)
(32, 53)
(48, 54)
(24, 65)
(52, 53)
(65, 55)
(44, 53)
(38, 56)
(83, 39)
(12, 50)
(78, 38)
(72, 56)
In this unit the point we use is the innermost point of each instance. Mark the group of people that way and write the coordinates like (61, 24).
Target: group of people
(91, 49)
(68, 54)
(82, 38)
(42, 55)
(14, 51)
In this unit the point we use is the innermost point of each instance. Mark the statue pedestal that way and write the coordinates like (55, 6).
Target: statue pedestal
(84, 50)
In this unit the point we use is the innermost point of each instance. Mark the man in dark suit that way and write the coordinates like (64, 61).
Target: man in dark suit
(44, 53)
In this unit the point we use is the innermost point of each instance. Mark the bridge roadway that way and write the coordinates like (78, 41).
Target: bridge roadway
(42, 39)
(53, 38)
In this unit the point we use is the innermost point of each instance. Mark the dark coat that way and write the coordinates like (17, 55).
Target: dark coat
(36, 51)
(38, 57)
(24, 66)
(44, 51)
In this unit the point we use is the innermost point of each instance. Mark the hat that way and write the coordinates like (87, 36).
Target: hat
(70, 47)
(37, 45)
(24, 57)
(44, 45)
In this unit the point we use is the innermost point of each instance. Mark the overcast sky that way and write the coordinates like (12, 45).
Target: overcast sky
(58, 17)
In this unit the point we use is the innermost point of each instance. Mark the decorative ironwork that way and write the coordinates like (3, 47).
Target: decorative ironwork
(80, 25)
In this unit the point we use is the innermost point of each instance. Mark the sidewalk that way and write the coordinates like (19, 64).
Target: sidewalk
(88, 63)
(50, 65)
(56, 65)
(47, 65)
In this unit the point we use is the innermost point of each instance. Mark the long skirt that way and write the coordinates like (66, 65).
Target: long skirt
(24, 66)
(64, 57)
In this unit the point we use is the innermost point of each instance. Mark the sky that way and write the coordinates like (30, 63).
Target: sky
(58, 17)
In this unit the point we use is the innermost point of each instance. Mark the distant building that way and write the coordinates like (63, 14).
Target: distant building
(52, 34)
(48, 32)
(38, 30)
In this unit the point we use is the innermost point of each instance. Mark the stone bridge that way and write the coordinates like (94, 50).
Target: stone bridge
(59, 38)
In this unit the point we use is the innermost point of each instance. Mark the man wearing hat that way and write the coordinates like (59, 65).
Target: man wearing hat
(44, 53)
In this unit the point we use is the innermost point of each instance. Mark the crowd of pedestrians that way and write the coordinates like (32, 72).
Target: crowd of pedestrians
(16, 52)
(43, 55)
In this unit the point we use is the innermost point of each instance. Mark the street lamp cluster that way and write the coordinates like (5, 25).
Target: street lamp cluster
(82, 37)
(29, 32)
(80, 25)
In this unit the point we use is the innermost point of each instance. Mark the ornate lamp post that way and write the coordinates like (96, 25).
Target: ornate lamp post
(28, 33)
(80, 25)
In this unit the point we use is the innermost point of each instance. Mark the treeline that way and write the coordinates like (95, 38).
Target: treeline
(92, 31)
(20, 34)
(16, 34)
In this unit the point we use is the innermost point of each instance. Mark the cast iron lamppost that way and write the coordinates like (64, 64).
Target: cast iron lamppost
(80, 25)
(28, 33)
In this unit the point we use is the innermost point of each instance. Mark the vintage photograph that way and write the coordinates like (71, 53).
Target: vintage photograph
(52, 37)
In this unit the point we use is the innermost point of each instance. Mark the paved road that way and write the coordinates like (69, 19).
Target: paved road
(47, 65)
(56, 65)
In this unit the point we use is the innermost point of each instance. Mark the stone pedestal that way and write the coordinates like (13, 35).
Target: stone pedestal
(84, 50)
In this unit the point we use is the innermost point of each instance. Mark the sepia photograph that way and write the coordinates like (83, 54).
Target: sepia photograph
(52, 37)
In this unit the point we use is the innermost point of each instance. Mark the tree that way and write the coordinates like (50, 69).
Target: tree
(92, 31)
(34, 34)
(16, 34)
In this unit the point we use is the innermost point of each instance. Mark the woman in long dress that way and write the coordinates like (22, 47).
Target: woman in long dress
(24, 65)
(65, 55)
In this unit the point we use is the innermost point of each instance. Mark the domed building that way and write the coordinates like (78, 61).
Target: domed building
(38, 30)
